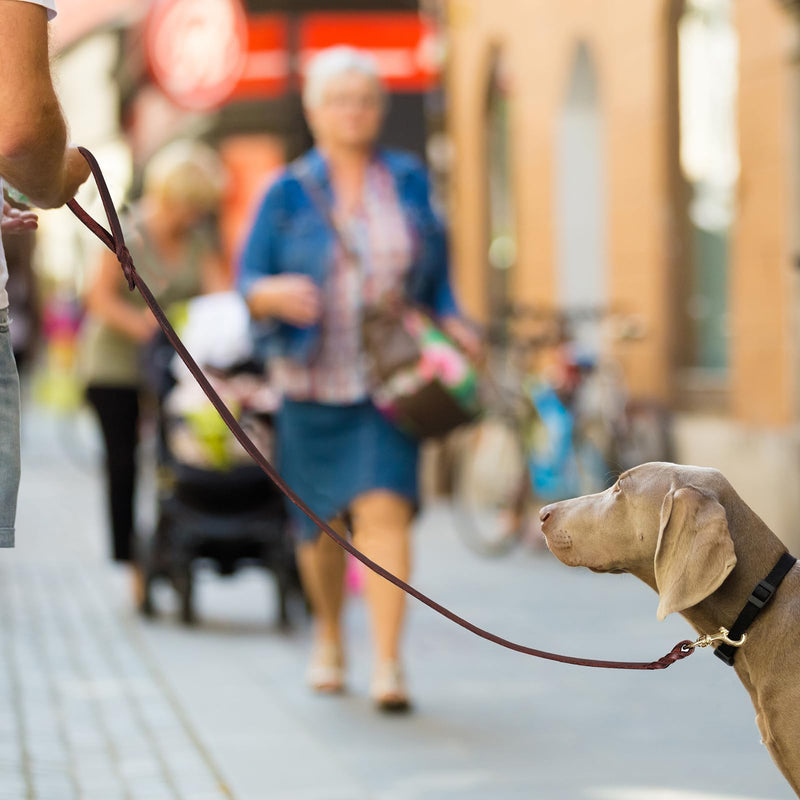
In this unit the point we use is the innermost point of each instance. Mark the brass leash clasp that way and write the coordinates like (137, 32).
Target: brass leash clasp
(706, 640)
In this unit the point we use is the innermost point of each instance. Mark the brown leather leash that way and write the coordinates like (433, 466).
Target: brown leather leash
(116, 243)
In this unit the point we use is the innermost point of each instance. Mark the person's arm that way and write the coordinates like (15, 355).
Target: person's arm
(257, 262)
(34, 157)
(439, 295)
(270, 294)
(443, 301)
(104, 301)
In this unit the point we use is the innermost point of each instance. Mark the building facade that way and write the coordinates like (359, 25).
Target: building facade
(643, 157)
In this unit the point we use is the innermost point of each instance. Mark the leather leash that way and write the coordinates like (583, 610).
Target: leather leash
(115, 242)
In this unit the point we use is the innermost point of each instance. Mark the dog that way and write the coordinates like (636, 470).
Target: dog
(688, 535)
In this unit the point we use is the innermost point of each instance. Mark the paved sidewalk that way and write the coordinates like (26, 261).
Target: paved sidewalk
(98, 705)
(86, 712)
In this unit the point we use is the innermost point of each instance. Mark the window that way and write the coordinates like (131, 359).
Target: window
(708, 65)
(580, 202)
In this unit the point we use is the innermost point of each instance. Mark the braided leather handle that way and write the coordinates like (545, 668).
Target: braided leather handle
(115, 242)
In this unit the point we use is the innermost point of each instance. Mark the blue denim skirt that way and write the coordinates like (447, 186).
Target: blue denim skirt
(9, 435)
(331, 454)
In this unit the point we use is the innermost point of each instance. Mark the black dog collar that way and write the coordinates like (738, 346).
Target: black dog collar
(762, 594)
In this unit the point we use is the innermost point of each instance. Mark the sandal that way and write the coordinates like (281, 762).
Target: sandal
(389, 688)
(326, 671)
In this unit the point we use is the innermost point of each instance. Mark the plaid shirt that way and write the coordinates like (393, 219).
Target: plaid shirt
(380, 235)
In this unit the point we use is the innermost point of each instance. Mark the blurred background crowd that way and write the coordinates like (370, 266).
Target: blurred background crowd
(640, 162)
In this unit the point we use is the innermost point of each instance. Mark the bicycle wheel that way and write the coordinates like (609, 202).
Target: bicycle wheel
(491, 487)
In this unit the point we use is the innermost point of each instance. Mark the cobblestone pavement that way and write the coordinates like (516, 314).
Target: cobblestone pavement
(96, 704)
(86, 716)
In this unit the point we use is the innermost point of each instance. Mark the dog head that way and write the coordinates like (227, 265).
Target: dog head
(663, 522)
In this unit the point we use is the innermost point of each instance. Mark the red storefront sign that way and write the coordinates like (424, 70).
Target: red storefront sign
(404, 45)
(267, 65)
(197, 50)
(203, 53)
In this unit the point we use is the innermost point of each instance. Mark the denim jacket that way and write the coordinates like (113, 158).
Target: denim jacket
(292, 235)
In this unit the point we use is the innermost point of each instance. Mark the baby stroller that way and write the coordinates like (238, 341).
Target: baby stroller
(214, 504)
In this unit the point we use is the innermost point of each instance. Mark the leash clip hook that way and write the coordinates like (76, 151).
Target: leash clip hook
(707, 639)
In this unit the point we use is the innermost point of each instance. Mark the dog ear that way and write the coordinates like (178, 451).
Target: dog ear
(695, 551)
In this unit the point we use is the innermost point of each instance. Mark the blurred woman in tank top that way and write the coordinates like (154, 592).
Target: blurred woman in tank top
(177, 256)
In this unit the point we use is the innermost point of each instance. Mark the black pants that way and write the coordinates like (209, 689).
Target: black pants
(118, 411)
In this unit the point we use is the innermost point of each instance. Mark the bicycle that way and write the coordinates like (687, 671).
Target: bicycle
(547, 433)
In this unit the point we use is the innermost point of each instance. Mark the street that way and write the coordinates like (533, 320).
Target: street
(100, 705)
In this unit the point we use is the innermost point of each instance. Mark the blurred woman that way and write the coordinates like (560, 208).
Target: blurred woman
(177, 256)
(346, 196)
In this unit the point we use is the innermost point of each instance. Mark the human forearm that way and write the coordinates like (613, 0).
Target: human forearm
(261, 299)
(290, 298)
(134, 323)
(104, 302)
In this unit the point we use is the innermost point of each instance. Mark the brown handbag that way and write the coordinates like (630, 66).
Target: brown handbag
(388, 346)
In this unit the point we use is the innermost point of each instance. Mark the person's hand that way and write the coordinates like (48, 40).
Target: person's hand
(14, 220)
(466, 336)
(291, 298)
(76, 171)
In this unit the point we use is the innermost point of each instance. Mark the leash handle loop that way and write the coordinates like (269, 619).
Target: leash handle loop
(115, 242)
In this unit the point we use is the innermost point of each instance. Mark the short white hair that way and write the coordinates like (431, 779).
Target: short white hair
(332, 62)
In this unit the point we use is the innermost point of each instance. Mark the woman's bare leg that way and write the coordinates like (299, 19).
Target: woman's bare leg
(382, 531)
(322, 566)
